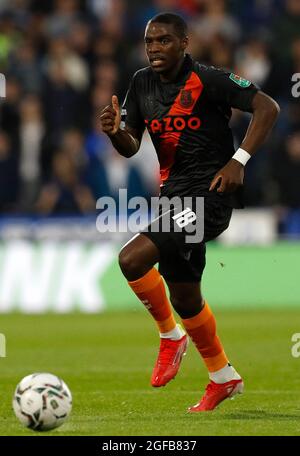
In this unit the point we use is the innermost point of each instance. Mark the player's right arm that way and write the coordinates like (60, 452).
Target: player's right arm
(126, 141)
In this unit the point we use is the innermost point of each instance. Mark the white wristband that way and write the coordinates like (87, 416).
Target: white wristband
(241, 156)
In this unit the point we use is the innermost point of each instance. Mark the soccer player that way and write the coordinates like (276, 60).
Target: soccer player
(186, 107)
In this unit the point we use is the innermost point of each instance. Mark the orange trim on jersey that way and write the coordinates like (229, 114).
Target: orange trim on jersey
(169, 140)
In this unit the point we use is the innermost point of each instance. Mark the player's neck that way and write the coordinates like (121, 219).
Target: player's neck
(172, 74)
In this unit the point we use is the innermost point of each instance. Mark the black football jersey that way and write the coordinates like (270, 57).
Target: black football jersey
(187, 120)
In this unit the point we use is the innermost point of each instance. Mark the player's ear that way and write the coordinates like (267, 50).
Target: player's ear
(184, 43)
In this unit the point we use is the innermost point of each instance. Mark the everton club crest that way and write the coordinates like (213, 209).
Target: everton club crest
(186, 99)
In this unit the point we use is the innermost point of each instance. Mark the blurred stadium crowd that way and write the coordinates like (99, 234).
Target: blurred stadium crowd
(63, 59)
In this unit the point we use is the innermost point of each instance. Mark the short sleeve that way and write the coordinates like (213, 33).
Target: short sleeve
(131, 114)
(226, 87)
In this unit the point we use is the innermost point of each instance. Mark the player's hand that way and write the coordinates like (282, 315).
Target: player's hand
(110, 117)
(229, 178)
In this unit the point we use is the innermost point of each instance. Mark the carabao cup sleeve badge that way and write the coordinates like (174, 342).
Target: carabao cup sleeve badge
(239, 80)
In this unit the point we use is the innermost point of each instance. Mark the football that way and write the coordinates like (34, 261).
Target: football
(42, 401)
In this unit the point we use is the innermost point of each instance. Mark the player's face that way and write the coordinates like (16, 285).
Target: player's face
(164, 48)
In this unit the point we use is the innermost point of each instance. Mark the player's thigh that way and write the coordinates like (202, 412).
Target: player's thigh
(179, 260)
(217, 217)
(183, 263)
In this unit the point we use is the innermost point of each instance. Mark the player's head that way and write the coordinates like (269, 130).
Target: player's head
(165, 40)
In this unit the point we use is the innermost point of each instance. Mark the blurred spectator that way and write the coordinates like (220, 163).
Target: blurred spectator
(136, 59)
(121, 173)
(286, 28)
(4, 5)
(10, 116)
(104, 9)
(63, 60)
(62, 103)
(197, 46)
(97, 148)
(220, 54)
(23, 65)
(110, 16)
(144, 160)
(74, 68)
(255, 16)
(60, 22)
(31, 134)
(139, 13)
(286, 171)
(253, 62)
(106, 75)
(73, 145)
(100, 7)
(105, 48)
(216, 21)
(65, 193)
(8, 175)
(279, 86)
(97, 143)
(9, 37)
(79, 39)
(113, 27)
(101, 96)
(19, 10)
(191, 7)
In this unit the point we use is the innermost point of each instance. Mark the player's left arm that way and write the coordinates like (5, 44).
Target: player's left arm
(265, 111)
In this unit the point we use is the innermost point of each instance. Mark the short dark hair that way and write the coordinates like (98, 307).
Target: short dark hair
(179, 24)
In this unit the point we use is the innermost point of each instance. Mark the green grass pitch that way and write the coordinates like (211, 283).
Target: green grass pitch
(107, 361)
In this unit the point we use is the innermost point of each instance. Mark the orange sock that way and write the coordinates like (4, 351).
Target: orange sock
(202, 331)
(150, 289)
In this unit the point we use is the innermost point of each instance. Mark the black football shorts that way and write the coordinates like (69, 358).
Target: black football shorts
(182, 252)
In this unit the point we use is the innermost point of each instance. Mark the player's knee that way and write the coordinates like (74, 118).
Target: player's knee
(129, 264)
(186, 307)
(177, 304)
(126, 262)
